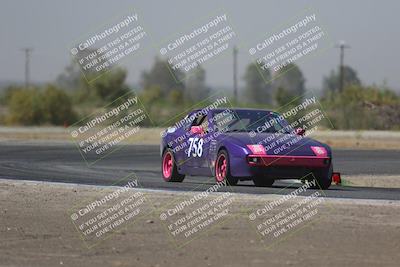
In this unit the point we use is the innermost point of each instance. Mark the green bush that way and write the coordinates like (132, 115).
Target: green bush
(38, 106)
(57, 106)
(359, 107)
(25, 107)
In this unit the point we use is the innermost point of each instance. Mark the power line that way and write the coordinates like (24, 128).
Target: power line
(341, 46)
(27, 52)
(235, 90)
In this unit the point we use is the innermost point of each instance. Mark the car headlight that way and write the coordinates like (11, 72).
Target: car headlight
(319, 151)
(257, 149)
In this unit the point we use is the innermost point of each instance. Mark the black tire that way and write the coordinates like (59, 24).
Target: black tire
(261, 181)
(173, 175)
(231, 180)
(323, 177)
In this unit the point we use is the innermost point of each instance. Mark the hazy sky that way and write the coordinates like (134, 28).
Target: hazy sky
(371, 28)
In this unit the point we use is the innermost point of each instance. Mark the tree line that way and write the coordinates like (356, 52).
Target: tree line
(71, 97)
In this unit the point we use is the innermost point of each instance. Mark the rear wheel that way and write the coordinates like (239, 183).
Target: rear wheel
(261, 181)
(169, 169)
(222, 169)
(323, 177)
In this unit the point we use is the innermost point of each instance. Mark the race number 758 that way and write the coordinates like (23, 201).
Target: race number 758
(196, 145)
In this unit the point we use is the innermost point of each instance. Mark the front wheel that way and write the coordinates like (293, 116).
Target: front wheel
(223, 170)
(169, 169)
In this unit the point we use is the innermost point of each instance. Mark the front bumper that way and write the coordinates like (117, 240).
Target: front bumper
(289, 161)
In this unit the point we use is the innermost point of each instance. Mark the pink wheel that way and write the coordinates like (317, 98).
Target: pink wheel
(221, 168)
(167, 166)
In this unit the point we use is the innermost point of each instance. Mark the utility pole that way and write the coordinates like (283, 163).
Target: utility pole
(341, 46)
(27, 52)
(235, 90)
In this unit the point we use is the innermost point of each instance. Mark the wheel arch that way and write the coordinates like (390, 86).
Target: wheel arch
(223, 147)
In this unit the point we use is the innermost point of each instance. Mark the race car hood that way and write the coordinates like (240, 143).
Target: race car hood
(277, 144)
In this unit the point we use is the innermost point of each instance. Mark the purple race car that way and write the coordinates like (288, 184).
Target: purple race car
(242, 144)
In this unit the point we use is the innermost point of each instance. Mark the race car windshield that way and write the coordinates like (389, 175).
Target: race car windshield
(250, 121)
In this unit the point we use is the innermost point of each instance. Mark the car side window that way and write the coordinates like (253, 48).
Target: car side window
(190, 121)
(202, 121)
(186, 122)
(198, 120)
(204, 124)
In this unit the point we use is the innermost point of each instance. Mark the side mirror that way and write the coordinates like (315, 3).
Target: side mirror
(196, 130)
(300, 131)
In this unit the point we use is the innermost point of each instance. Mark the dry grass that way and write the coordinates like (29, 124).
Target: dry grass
(384, 181)
(360, 139)
(336, 139)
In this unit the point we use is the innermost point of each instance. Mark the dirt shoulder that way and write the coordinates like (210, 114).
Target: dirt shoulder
(336, 139)
(37, 230)
(383, 181)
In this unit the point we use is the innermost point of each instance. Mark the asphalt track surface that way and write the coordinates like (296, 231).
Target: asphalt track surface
(63, 163)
